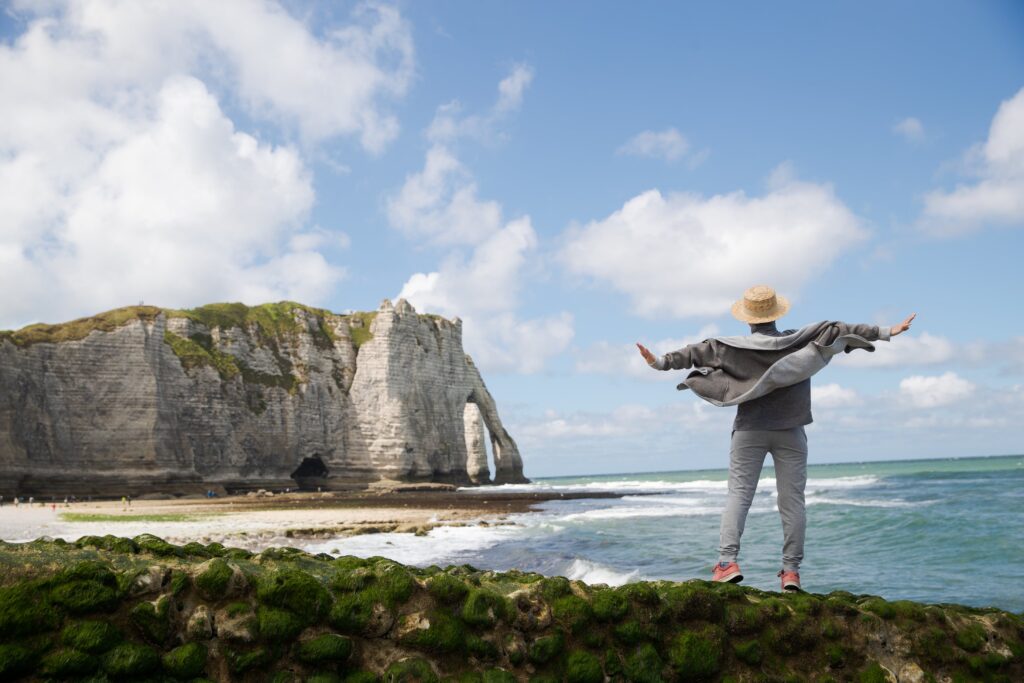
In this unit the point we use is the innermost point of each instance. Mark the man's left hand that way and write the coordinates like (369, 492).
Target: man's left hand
(903, 326)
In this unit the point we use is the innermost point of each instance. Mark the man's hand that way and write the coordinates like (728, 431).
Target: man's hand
(903, 326)
(648, 356)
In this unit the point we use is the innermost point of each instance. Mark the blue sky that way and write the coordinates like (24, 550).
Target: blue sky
(568, 178)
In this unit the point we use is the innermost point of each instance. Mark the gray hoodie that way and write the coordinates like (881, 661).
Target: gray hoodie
(767, 374)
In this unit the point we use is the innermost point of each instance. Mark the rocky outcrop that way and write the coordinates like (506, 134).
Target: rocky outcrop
(91, 611)
(143, 398)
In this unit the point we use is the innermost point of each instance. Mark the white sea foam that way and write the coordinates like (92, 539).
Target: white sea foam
(867, 503)
(627, 512)
(593, 572)
(636, 486)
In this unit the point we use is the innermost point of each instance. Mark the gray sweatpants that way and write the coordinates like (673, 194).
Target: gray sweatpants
(746, 458)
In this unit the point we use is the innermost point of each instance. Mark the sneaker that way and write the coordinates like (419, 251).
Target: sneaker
(790, 580)
(727, 572)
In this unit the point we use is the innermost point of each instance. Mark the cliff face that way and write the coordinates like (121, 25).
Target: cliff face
(144, 399)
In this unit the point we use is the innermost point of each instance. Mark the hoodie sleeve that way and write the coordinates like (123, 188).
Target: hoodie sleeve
(691, 355)
(869, 332)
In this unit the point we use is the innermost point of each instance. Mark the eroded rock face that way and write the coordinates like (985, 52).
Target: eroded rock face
(243, 398)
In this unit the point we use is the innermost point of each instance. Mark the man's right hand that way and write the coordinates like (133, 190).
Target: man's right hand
(648, 356)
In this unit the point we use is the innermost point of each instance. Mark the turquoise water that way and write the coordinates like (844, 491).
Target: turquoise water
(928, 530)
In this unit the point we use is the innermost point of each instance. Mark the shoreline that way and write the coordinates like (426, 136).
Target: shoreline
(257, 521)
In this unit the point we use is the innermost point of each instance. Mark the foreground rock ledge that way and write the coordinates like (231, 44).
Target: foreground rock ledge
(142, 609)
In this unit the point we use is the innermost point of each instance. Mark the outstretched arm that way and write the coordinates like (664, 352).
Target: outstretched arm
(686, 357)
(903, 326)
(873, 332)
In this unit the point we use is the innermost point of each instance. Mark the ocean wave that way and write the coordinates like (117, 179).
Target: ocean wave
(628, 512)
(866, 502)
(636, 486)
(594, 572)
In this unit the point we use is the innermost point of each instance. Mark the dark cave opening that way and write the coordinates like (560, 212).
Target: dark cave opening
(310, 472)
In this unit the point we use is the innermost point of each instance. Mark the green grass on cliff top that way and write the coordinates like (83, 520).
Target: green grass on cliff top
(273, 320)
(153, 517)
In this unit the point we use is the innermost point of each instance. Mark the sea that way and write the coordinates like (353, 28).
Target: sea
(934, 531)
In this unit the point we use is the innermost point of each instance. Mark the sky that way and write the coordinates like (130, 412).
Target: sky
(567, 178)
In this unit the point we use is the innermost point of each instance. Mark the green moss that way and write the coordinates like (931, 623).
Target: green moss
(743, 619)
(613, 664)
(546, 648)
(194, 549)
(157, 546)
(774, 610)
(497, 676)
(583, 667)
(241, 661)
(793, 635)
(395, 584)
(123, 546)
(573, 611)
(413, 670)
(880, 608)
(323, 677)
(180, 582)
(632, 632)
(906, 609)
(67, 663)
(326, 648)
(554, 587)
(696, 655)
(25, 608)
(152, 620)
(481, 648)
(237, 609)
(830, 629)
(971, 638)
(295, 590)
(187, 661)
(748, 652)
(88, 570)
(192, 353)
(445, 634)
(873, 673)
(933, 644)
(353, 579)
(130, 659)
(95, 637)
(835, 655)
(359, 327)
(75, 330)
(83, 597)
(694, 600)
(484, 608)
(642, 592)
(212, 582)
(277, 624)
(643, 665)
(446, 589)
(351, 613)
(362, 677)
(610, 605)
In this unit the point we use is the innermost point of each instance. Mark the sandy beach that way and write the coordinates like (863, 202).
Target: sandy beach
(260, 521)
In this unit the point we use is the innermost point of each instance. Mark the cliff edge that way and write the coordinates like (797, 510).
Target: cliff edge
(144, 399)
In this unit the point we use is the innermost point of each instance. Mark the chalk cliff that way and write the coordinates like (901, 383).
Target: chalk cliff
(148, 399)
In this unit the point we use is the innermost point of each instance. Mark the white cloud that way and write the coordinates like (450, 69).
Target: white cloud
(906, 349)
(932, 391)
(687, 255)
(448, 126)
(910, 129)
(996, 197)
(440, 204)
(668, 144)
(620, 360)
(123, 178)
(834, 396)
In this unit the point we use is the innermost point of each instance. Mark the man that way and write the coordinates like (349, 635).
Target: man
(767, 375)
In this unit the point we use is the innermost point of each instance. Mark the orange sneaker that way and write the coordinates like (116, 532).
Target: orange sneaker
(727, 572)
(790, 580)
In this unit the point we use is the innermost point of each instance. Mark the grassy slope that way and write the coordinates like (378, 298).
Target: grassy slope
(113, 608)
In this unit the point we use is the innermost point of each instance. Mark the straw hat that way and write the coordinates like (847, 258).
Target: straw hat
(760, 304)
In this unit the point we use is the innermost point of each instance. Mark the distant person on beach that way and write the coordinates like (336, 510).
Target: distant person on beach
(767, 375)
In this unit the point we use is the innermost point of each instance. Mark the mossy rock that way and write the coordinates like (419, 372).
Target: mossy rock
(610, 604)
(157, 546)
(697, 655)
(774, 610)
(643, 665)
(546, 648)
(323, 677)
(694, 601)
(412, 670)
(180, 582)
(130, 660)
(240, 661)
(497, 676)
(214, 578)
(326, 648)
(793, 636)
(446, 589)
(94, 637)
(873, 673)
(481, 648)
(583, 667)
(573, 611)
(68, 663)
(743, 619)
(879, 607)
(444, 635)
(361, 677)
(352, 613)
(25, 609)
(187, 661)
(971, 638)
(831, 629)
(16, 659)
(484, 608)
(642, 592)
(84, 597)
(804, 603)
(836, 656)
(152, 620)
(632, 632)
(195, 549)
(88, 570)
(554, 587)
(277, 625)
(354, 579)
(748, 652)
(295, 590)
(124, 546)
